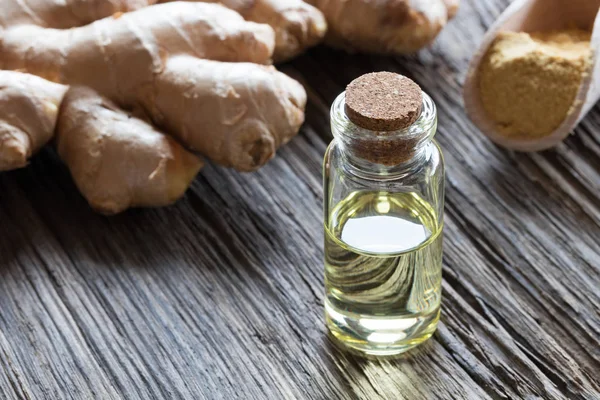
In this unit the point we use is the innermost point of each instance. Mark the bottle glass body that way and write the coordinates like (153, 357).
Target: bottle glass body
(383, 235)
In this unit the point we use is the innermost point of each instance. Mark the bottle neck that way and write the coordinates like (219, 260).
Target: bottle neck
(382, 154)
(366, 168)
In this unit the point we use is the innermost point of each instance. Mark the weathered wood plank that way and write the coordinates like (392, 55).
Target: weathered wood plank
(221, 295)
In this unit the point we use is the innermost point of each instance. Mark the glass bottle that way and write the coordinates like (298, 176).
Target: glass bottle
(384, 203)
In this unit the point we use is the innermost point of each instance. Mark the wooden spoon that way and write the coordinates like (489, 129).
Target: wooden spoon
(536, 16)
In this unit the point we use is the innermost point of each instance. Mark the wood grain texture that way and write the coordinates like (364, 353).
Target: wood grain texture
(221, 295)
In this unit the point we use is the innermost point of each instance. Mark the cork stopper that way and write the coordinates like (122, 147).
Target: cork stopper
(383, 101)
(382, 105)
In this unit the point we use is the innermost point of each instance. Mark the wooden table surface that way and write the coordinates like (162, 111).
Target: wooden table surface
(221, 295)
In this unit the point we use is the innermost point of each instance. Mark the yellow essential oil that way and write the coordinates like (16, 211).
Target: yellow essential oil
(383, 271)
(383, 217)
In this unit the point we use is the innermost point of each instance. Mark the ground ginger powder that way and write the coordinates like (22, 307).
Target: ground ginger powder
(528, 81)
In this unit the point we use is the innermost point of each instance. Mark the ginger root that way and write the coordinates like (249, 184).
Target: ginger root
(388, 27)
(297, 24)
(65, 13)
(119, 52)
(236, 114)
(28, 114)
(118, 161)
(200, 71)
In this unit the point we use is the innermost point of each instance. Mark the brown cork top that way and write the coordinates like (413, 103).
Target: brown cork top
(383, 101)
